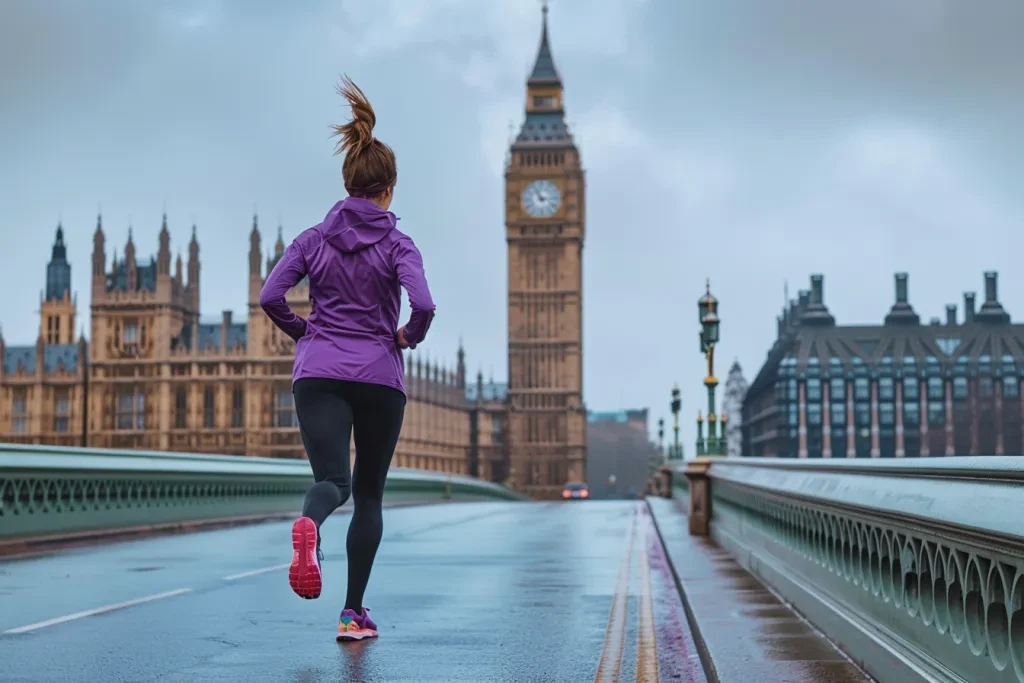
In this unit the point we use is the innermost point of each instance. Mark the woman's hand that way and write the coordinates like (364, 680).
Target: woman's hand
(400, 338)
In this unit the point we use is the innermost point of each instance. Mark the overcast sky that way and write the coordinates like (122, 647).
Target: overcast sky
(753, 142)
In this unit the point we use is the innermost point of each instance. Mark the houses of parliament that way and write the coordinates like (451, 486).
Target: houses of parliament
(152, 375)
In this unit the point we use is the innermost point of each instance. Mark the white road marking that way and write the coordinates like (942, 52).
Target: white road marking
(254, 572)
(93, 612)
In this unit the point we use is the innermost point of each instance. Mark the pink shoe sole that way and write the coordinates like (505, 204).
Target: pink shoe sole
(304, 574)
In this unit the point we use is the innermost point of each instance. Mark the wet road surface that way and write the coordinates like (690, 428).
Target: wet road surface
(468, 592)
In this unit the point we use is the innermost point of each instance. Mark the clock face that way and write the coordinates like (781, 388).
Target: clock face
(541, 198)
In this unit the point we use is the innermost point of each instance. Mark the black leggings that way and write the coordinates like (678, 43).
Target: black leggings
(329, 412)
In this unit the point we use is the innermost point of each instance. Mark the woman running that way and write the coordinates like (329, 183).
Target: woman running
(349, 373)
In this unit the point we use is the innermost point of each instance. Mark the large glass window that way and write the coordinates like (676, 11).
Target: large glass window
(61, 411)
(936, 413)
(986, 387)
(791, 389)
(911, 414)
(813, 390)
(209, 408)
(935, 390)
(814, 413)
(960, 387)
(181, 408)
(911, 389)
(861, 389)
(837, 389)
(131, 409)
(886, 415)
(284, 409)
(1011, 388)
(238, 407)
(19, 411)
(838, 414)
(885, 389)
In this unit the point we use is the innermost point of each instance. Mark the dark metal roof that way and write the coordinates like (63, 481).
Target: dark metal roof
(544, 71)
(952, 346)
(55, 356)
(209, 336)
(492, 391)
(145, 277)
(545, 128)
(58, 270)
(23, 357)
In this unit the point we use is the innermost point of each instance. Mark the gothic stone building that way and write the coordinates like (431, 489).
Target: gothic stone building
(900, 389)
(544, 228)
(155, 377)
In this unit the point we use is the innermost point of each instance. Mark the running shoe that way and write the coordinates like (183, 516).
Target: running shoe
(304, 575)
(352, 626)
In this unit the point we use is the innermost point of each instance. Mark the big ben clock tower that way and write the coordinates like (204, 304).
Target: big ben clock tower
(544, 228)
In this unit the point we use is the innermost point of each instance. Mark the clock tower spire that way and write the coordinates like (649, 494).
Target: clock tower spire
(545, 113)
(544, 229)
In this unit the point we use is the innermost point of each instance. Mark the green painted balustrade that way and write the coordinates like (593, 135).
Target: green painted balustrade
(914, 567)
(52, 491)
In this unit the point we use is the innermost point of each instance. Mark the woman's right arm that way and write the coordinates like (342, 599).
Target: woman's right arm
(285, 275)
(409, 265)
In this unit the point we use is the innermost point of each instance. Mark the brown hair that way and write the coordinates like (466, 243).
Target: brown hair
(369, 168)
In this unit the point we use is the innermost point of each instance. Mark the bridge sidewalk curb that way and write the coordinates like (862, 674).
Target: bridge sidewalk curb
(742, 630)
(698, 637)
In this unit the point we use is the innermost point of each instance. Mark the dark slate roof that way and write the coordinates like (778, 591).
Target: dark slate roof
(60, 356)
(19, 356)
(145, 277)
(492, 391)
(544, 128)
(58, 270)
(238, 334)
(809, 345)
(942, 349)
(209, 336)
(544, 71)
(55, 356)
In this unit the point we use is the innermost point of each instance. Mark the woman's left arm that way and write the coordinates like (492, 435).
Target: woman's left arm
(288, 272)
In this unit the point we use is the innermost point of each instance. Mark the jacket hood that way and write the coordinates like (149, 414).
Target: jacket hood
(355, 223)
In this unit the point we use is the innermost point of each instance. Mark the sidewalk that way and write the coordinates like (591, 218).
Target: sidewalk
(743, 631)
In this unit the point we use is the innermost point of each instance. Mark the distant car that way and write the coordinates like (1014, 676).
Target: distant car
(575, 491)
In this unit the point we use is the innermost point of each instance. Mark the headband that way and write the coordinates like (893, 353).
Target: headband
(370, 190)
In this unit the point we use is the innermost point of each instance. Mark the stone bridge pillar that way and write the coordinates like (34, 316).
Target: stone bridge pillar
(700, 495)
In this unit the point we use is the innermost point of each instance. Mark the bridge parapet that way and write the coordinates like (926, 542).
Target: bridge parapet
(64, 492)
(914, 567)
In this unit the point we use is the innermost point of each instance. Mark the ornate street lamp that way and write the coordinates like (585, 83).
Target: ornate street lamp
(676, 452)
(707, 310)
(661, 437)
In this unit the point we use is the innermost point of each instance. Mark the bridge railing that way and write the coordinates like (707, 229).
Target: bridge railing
(62, 492)
(914, 567)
